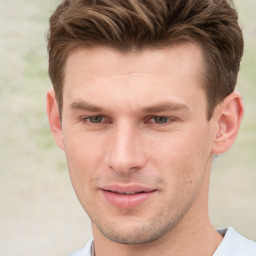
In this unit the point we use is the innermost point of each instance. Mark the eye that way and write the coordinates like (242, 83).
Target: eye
(94, 122)
(95, 119)
(160, 119)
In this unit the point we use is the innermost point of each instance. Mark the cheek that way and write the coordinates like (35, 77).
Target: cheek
(183, 169)
(177, 149)
(84, 157)
(83, 148)
(182, 158)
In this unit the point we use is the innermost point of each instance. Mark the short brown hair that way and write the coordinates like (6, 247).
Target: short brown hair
(137, 24)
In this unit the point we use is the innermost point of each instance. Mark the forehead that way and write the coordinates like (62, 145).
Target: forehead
(104, 60)
(137, 76)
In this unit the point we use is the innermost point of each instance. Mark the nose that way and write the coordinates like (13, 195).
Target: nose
(125, 151)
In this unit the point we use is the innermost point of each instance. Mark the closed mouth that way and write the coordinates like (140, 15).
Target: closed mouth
(128, 192)
(127, 196)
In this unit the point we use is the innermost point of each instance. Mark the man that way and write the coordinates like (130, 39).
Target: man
(143, 99)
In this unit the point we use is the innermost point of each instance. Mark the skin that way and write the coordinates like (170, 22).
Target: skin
(140, 119)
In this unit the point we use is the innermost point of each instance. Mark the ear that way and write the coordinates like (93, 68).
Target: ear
(54, 117)
(228, 116)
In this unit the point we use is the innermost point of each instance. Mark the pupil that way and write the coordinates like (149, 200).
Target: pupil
(160, 120)
(95, 119)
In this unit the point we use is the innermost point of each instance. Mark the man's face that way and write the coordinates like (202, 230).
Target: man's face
(136, 137)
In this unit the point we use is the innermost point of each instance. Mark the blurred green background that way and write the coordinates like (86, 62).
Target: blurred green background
(39, 212)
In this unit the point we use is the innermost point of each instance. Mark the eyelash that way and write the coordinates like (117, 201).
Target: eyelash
(88, 119)
(166, 120)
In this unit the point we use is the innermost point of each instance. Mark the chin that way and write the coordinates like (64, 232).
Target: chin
(135, 233)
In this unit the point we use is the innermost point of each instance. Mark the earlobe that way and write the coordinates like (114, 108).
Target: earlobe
(228, 116)
(54, 117)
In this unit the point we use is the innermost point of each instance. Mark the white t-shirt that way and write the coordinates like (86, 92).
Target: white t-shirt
(233, 244)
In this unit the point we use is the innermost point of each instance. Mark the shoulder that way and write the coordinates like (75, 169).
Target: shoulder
(86, 251)
(234, 244)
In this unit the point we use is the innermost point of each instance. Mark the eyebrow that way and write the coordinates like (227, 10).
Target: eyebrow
(85, 106)
(167, 106)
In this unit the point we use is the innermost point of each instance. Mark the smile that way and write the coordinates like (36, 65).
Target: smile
(128, 196)
(127, 193)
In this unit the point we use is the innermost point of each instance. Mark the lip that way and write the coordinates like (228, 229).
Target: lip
(127, 197)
